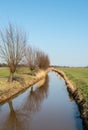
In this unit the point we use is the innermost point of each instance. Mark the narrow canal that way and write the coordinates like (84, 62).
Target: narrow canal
(45, 107)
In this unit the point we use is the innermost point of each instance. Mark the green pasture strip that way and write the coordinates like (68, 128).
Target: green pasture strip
(4, 71)
(23, 70)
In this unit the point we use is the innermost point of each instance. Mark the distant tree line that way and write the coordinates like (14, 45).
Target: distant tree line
(68, 66)
(15, 52)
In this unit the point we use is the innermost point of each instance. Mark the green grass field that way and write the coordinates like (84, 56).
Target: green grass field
(4, 71)
(79, 78)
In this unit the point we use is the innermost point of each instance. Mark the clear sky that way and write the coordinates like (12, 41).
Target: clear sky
(58, 27)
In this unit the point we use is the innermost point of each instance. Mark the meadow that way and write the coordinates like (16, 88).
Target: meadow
(4, 71)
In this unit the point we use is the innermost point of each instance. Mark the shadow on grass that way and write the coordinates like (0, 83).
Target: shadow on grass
(19, 79)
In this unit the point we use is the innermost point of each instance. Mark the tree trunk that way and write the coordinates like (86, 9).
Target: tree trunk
(10, 77)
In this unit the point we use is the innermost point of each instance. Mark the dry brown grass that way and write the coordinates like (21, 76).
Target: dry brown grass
(41, 82)
(40, 73)
(5, 86)
(19, 84)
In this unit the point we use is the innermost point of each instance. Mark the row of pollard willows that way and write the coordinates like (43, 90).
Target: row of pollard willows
(14, 51)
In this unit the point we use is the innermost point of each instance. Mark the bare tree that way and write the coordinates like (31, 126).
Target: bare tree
(42, 60)
(30, 56)
(12, 47)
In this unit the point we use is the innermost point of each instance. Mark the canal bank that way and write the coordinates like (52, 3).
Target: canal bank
(20, 85)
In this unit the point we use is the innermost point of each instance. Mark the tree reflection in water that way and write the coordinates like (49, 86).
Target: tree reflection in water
(36, 97)
(20, 119)
(12, 121)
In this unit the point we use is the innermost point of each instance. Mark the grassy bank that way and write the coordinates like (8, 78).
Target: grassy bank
(23, 78)
(79, 78)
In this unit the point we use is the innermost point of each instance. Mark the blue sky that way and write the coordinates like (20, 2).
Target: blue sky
(58, 27)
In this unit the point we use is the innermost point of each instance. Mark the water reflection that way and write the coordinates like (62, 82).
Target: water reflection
(19, 119)
(35, 98)
(12, 121)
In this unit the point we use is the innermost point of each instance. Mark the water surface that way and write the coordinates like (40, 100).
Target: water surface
(46, 107)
